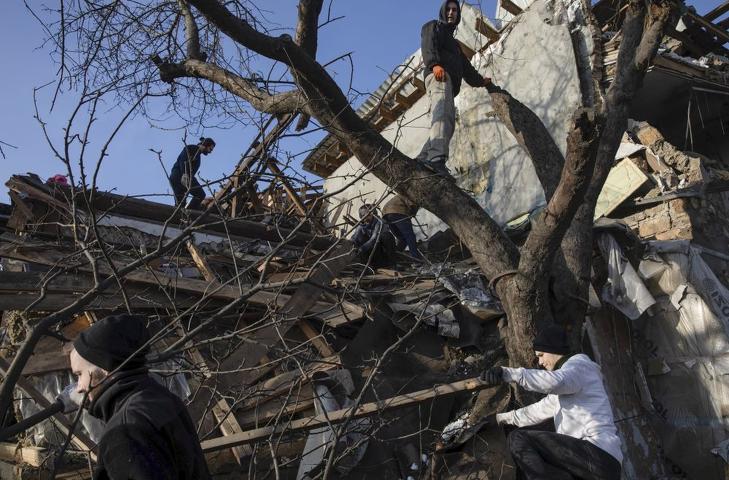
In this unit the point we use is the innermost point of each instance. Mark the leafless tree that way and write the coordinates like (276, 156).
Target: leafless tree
(214, 52)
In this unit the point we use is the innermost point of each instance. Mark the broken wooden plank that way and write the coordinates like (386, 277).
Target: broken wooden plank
(28, 455)
(79, 439)
(338, 416)
(200, 262)
(316, 338)
(720, 33)
(277, 407)
(281, 383)
(271, 163)
(256, 151)
(47, 362)
(20, 290)
(304, 299)
(510, 7)
(161, 214)
(718, 11)
(230, 426)
(47, 254)
(485, 28)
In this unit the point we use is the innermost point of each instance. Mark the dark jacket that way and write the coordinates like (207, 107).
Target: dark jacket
(148, 435)
(188, 162)
(366, 235)
(440, 48)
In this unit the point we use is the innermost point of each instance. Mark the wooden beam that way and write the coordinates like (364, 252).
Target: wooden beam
(33, 456)
(316, 338)
(486, 29)
(511, 7)
(718, 11)
(158, 213)
(221, 410)
(19, 290)
(200, 262)
(418, 83)
(722, 34)
(272, 165)
(79, 439)
(46, 362)
(47, 254)
(255, 152)
(281, 383)
(229, 426)
(304, 299)
(338, 416)
(277, 407)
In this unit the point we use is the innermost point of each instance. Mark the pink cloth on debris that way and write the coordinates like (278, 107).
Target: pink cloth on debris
(57, 179)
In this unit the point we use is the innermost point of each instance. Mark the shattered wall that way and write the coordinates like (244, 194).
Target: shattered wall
(534, 61)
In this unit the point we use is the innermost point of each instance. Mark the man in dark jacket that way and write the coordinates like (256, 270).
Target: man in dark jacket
(148, 434)
(445, 67)
(398, 214)
(182, 176)
(372, 238)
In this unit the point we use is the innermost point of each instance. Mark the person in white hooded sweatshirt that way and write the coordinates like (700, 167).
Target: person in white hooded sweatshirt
(586, 444)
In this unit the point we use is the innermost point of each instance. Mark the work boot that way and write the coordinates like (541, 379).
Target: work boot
(440, 168)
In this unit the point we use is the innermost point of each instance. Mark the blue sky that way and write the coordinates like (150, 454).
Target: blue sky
(380, 34)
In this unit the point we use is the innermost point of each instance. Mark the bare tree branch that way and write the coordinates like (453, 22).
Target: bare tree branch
(192, 33)
(259, 99)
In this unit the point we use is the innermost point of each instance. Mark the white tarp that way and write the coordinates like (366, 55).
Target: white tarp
(688, 337)
(624, 289)
(331, 392)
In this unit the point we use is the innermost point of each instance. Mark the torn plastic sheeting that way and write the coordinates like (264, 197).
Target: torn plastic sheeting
(331, 392)
(689, 334)
(470, 290)
(169, 374)
(681, 263)
(623, 289)
(44, 434)
(434, 315)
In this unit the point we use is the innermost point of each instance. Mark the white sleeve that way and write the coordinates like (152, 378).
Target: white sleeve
(566, 380)
(532, 414)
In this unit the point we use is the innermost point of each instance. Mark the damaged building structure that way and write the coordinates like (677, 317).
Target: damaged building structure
(290, 332)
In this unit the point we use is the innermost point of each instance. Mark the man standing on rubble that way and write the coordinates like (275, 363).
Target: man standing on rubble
(586, 444)
(148, 433)
(182, 176)
(398, 214)
(445, 66)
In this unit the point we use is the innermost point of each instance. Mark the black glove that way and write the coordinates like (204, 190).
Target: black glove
(493, 376)
(491, 88)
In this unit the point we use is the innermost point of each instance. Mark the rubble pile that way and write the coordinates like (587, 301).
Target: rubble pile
(294, 357)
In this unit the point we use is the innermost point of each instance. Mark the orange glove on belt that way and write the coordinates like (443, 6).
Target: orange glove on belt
(439, 72)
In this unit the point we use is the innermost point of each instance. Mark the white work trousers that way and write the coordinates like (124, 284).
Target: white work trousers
(442, 120)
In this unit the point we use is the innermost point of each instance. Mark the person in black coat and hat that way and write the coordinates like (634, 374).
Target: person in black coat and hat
(149, 433)
(182, 176)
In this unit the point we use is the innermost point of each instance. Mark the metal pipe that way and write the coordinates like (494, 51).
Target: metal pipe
(34, 419)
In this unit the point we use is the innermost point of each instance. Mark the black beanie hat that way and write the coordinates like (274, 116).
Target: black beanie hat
(112, 340)
(552, 339)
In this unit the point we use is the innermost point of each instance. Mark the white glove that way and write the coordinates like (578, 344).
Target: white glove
(70, 398)
(185, 180)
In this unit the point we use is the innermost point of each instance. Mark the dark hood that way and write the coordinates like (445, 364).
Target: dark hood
(115, 390)
(442, 16)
